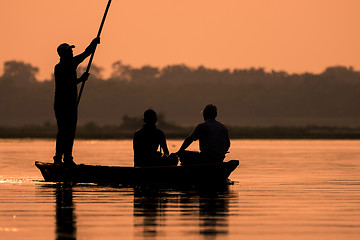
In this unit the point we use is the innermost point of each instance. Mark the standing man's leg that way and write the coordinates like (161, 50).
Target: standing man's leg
(60, 138)
(69, 138)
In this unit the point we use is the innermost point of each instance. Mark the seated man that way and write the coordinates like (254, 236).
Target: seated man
(147, 141)
(213, 140)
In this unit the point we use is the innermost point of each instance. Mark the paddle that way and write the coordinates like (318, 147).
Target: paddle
(92, 55)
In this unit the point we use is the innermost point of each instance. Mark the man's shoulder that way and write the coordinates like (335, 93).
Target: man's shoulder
(215, 123)
(200, 127)
(160, 132)
(60, 67)
(212, 122)
(57, 66)
(221, 124)
(202, 124)
(139, 131)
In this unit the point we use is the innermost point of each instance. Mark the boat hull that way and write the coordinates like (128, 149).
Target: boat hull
(192, 174)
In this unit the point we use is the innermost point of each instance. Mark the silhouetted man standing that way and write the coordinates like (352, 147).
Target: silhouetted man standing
(65, 104)
(213, 140)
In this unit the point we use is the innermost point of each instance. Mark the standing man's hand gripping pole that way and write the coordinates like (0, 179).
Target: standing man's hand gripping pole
(93, 44)
(88, 51)
(84, 77)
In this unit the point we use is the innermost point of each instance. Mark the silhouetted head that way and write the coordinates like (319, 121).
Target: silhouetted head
(65, 50)
(150, 116)
(209, 112)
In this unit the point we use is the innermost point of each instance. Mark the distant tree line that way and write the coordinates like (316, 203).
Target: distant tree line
(245, 97)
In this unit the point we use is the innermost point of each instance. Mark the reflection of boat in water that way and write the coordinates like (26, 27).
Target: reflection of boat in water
(83, 210)
(190, 174)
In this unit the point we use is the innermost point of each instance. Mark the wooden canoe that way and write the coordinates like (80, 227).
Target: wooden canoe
(191, 174)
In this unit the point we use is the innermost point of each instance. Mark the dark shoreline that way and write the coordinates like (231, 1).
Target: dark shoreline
(236, 132)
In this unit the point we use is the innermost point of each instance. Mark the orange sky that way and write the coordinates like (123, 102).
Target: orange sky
(290, 35)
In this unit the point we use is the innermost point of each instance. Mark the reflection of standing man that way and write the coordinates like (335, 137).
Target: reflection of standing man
(65, 104)
(65, 212)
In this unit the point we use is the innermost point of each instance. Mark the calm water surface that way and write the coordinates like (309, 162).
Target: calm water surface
(283, 190)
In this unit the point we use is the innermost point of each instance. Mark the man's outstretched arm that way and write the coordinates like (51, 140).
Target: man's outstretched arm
(185, 144)
(193, 137)
(88, 51)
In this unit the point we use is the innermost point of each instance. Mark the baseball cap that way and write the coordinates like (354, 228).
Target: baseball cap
(63, 48)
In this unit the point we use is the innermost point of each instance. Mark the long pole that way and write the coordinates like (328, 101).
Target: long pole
(92, 55)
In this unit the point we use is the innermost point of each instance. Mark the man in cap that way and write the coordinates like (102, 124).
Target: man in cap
(213, 140)
(65, 104)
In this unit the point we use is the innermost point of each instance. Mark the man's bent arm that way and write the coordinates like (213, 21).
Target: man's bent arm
(88, 51)
(227, 142)
(164, 145)
(165, 149)
(227, 145)
(185, 144)
(193, 137)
